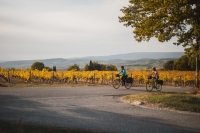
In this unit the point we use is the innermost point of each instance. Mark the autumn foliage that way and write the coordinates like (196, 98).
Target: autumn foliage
(186, 78)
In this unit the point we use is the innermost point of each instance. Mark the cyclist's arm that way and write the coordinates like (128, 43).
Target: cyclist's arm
(157, 75)
(120, 72)
(152, 73)
(123, 73)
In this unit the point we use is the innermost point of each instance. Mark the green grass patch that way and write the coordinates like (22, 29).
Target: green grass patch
(19, 127)
(177, 101)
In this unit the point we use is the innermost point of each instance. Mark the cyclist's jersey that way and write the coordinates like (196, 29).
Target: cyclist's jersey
(123, 72)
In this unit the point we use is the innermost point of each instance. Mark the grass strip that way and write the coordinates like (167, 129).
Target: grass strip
(19, 127)
(177, 101)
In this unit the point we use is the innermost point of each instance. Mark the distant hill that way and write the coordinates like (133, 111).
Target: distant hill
(138, 55)
(130, 60)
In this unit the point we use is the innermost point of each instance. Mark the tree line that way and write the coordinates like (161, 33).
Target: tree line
(93, 65)
(184, 63)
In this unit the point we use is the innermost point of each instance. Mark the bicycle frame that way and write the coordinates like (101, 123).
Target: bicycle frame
(151, 84)
(118, 82)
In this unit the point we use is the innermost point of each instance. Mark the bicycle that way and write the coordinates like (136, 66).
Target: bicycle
(151, 84)
(118, 82)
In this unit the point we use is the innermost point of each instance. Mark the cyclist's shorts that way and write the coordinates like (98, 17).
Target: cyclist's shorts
(155, 78)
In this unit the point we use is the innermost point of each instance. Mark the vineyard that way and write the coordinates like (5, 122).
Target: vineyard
(174, 78)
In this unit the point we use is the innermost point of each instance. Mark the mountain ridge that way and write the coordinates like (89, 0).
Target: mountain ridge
(138, 55)
(136, 58)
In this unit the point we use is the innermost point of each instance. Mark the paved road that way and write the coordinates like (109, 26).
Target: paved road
(93, 108)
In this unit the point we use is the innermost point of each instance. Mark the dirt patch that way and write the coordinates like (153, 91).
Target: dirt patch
(144, 104)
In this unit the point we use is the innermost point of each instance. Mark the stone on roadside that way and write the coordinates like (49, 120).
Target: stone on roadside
(137, 103)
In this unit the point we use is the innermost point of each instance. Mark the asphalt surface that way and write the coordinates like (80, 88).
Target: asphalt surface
(93, 108)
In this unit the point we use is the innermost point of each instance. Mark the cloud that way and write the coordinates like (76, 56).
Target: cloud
(57, 25)
(66, 28)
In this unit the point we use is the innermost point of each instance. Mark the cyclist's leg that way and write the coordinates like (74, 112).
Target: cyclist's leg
(123, 79)
(152, 79)
(153, 82)
(156, 79)
(158, 85)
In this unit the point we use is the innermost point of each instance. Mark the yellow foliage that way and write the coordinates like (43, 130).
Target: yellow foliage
(101, 75)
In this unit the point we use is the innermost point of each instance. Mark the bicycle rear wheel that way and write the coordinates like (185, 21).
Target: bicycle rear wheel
(128, 85)
(149, 86)
(158, 87)
(116, 84)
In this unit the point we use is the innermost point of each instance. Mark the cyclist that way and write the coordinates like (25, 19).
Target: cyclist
(155, 74)
(124, 75)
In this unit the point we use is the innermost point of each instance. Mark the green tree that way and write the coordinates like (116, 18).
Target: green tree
(103, 67)
(182, 64)
(90, 66)
(37, 65)
(94, 65)
(73, 67)
(192, 63)
(86, 68)
(168, 65)
(165, 19)
(48, 68)
(111, 67)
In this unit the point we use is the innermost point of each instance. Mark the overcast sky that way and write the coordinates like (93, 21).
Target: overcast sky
(43, 29)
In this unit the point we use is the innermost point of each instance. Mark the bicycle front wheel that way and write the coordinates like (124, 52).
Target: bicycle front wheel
(149, 86)
(116, 84)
